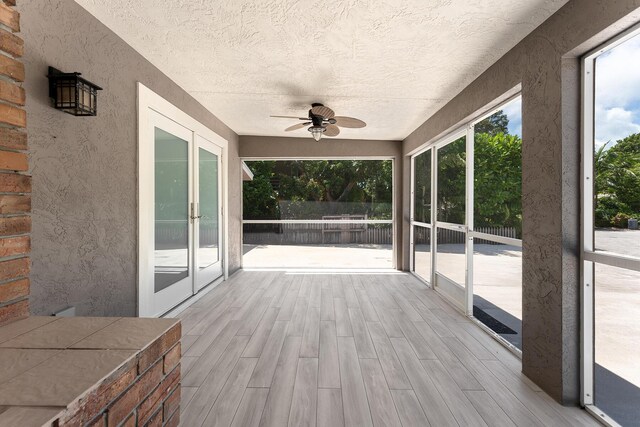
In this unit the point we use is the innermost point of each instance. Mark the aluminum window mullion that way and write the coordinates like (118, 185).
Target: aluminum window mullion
(451, 226)
(317, 221)
(497, 239)
(434, 215)
(469, 188)
(587, 227)
(420, 224)
(412, 261)
(619, 261)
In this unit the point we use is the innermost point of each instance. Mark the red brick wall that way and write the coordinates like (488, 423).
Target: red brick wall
(15, 183)
(145, 392)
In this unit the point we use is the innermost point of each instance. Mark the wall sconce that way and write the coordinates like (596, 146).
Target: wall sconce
(73, 94)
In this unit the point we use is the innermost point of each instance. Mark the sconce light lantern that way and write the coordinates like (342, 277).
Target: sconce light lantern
(73, 94)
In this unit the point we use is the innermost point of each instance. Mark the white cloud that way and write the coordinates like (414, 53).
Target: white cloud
(617, 101)
(617, 75)
(614, 124)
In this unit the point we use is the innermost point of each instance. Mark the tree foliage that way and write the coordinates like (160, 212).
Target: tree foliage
(497, 177)
(452, 182)
(498, 180)
(497, 123)
(617, 182)
(309, 189)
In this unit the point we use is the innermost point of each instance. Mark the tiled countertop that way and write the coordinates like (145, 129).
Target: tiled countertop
(48, 363)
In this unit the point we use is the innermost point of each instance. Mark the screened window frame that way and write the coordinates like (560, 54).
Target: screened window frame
(467, 130)
(391, 221)
(589, 256)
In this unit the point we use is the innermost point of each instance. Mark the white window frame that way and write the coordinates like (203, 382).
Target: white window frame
(467, 130)
(589, 255)
(413, 223)
(148, 102)
(391, 221)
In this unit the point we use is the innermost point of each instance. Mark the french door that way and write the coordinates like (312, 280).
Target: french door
(182, 215)
(206, 212)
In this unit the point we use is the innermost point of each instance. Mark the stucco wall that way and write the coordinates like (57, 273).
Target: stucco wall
(84, 168)
(546, 63)
(270, 147)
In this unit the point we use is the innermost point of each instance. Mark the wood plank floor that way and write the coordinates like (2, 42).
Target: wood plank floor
(301, 349)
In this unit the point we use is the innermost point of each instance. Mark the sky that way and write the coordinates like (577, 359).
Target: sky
(513, 110)
(617, 100)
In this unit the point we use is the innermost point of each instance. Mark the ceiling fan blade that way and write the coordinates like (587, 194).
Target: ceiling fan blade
(321, 110)
(332, 130)
(296, 127)
(349, 122)
(290, 117)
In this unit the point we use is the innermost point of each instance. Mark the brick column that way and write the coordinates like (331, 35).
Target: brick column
(15, 183)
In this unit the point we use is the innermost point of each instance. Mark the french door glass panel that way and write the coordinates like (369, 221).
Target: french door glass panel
(207, 213)
(172, 252)
(209, 252)
(170, 232)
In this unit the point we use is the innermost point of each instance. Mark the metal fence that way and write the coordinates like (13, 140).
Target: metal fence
(317, 234)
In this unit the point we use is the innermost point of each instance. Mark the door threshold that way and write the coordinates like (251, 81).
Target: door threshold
(321, 270)
(193, 299)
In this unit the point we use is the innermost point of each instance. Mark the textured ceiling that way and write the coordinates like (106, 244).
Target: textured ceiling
(389, 63)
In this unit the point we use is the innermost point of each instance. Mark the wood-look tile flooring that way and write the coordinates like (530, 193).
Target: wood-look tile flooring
(293, 349)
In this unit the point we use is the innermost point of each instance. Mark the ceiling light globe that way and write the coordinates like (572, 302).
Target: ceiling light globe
(316, 132)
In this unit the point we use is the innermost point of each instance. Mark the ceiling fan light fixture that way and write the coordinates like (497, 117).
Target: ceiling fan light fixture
(316, 132)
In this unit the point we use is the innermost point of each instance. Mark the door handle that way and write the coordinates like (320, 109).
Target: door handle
(193, 215)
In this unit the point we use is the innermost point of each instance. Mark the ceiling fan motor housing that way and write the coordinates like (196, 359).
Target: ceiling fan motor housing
(324, 121)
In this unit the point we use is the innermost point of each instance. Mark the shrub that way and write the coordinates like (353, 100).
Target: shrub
(621, 220)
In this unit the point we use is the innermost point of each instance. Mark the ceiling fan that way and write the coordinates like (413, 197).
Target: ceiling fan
(323, 121)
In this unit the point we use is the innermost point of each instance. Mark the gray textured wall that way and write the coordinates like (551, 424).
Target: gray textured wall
(271, 147)
(546, 63)
(84, 168)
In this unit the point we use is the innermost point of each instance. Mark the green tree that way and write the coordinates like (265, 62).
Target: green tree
(451, 182)
(617, 181)
(282, 189)
(498, 181)
(259, 197)
(495, 124)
